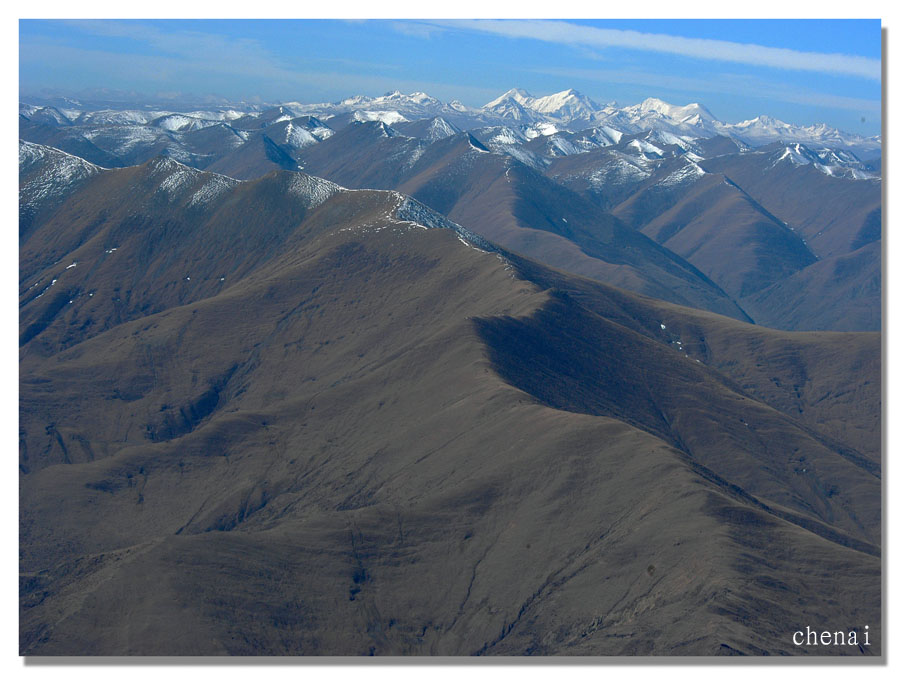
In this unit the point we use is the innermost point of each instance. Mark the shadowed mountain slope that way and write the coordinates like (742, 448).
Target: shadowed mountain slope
(828, 380)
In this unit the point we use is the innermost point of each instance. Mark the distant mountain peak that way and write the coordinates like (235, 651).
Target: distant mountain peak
(567, 106)
(678, 113)
(520, 96)
(356, 100)
(761, 121)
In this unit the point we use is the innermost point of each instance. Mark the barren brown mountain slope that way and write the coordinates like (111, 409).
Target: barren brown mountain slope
(762, 227)
(718, 228)
(842, 292)
(358, 430)
(515, 206)
(834, 215)
(253, 159)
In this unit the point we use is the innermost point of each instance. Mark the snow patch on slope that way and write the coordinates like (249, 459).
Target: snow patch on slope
(386, 116)
(297, 137)
(182, 123)
(409, 210)
(645, 148)
(690, 173)
(180, 179)
(58, 173)
(212, 189)
(621, 170)
(440, 128)
(120, 140)
(794, 155)
(121, 117)
(835, 163)
(312, 191)
(540, 129)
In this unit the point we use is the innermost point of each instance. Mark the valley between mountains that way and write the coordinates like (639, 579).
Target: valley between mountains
(402, 386)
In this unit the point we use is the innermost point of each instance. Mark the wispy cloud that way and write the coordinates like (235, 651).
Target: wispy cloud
(564, 32)
(209, 50)
(418, 29)
(227, 66)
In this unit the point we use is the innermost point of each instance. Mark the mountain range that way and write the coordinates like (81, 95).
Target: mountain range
(567, 109)
(571, 170)
(392, 376)
(279, 416)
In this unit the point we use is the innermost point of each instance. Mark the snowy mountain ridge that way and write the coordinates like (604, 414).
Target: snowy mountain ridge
(564, 110)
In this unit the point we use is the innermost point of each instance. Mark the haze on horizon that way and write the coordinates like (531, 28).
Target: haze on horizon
(801, 71)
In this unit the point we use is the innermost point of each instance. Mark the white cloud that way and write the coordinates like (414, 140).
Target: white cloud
(563, 32)
(417, 28)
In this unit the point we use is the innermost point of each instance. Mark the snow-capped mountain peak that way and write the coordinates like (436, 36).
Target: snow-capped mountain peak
(520, 96)
(568, 104)
(565, 106)
(832, 162)
(569, 120)
(356, 100)
(762, 122)
(765, 129)
(422, 98)
(678, 113)
(515, 104)
(397, 97)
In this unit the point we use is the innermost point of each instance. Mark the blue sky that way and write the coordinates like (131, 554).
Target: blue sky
(802, 71)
